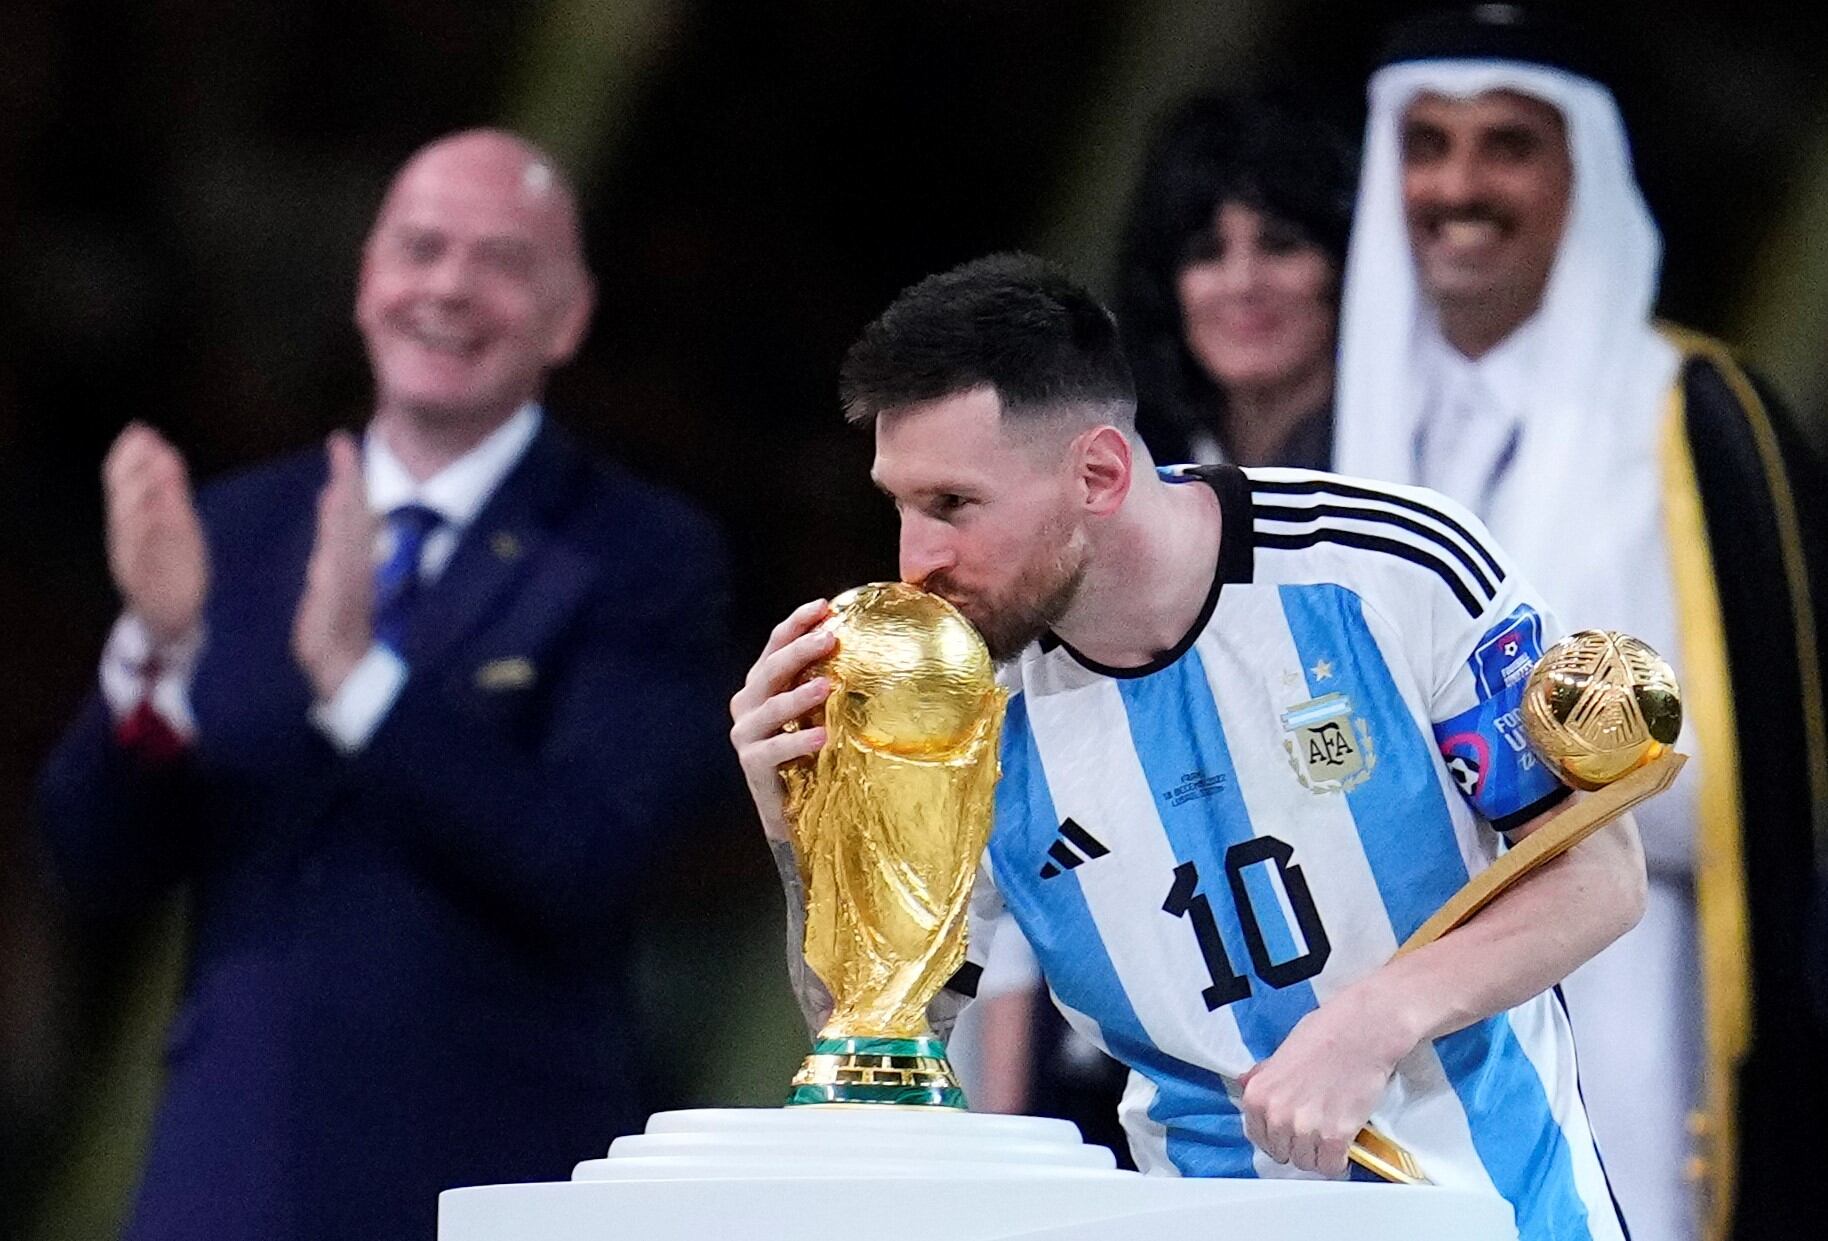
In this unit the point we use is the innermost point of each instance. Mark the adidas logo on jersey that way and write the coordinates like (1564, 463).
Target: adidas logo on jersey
(1072, 848)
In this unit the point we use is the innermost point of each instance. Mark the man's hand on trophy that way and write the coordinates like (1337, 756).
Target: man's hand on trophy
(1306, 1102)
(768, 708)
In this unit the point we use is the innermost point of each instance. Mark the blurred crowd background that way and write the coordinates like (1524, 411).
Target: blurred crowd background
(184, 185)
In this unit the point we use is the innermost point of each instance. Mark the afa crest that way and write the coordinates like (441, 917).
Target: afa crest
(1329, 747)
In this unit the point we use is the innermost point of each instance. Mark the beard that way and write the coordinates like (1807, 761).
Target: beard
(1029, 607)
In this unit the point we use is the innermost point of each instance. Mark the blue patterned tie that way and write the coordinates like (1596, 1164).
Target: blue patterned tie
(396, 579)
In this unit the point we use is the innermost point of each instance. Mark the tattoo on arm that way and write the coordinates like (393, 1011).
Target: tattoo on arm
(943, 1011)
(815, 1001)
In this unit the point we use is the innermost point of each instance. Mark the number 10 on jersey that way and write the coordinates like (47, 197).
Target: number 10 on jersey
(1273, 906)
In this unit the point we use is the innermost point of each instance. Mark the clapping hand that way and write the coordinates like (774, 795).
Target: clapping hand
(334, 626)
(156, 551)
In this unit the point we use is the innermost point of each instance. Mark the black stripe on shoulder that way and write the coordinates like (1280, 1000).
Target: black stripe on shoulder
(1517, 818)
(1378, 543)
(1339, 487)
(1303, 514)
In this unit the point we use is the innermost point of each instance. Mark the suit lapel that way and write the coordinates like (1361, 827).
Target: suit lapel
(497, 548)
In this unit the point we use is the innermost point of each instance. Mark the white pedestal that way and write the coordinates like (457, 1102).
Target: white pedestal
(808, 1173)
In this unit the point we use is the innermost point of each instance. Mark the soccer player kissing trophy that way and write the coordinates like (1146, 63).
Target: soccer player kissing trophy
(891, 817)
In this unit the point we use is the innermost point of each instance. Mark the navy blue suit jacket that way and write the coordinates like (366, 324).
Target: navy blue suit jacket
(407, 966)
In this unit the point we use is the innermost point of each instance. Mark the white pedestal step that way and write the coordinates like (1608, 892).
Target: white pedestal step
(809, 1174)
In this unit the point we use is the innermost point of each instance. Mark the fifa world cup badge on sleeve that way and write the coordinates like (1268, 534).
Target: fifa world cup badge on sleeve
(1485, 747)
(1505, 656)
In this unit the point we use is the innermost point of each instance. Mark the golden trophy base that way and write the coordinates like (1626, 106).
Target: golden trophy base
(876, 1072)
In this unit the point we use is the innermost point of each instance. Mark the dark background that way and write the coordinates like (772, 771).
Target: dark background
(184, 185)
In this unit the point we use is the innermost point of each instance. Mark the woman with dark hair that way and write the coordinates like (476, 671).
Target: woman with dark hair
(1228, 290)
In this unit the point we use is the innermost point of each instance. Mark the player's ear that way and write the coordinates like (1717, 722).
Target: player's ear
(571, 319)
(1104, 469)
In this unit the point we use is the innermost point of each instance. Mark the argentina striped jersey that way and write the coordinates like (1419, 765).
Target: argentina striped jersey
(1202, 850)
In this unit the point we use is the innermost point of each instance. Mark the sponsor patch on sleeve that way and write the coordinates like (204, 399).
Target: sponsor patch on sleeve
(1486, 752)
(1503, 658)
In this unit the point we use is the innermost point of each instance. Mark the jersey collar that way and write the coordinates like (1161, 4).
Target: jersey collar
(1235, 564)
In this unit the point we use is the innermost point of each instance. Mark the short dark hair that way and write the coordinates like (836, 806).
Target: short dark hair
(1267, 151)
(1012, 321)
(1558, 36)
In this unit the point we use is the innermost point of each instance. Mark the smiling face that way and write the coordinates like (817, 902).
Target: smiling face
(1486, 188)
(992, 518)
(1256, 301)
(472, 284)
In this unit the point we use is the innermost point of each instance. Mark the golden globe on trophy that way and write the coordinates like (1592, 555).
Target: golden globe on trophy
(889, 823)
(1602, 709)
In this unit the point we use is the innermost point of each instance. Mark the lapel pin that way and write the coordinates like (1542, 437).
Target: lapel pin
(512, 672)
(504, 545)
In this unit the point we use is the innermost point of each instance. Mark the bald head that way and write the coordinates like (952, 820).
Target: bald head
(504, 166)
(473, 280)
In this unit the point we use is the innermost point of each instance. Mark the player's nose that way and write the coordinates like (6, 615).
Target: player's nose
(925, 548)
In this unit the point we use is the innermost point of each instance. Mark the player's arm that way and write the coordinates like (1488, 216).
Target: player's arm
(1531, 936)
(808, 989)
(1527, 940)
(771, 699)
(1304, 1104)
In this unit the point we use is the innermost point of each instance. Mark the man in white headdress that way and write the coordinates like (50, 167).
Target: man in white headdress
(1497, 344)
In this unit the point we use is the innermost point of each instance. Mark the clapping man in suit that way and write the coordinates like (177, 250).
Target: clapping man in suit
(409, 716)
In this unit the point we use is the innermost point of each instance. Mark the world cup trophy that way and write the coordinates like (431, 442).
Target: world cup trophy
(1603, 710)
(889, 823)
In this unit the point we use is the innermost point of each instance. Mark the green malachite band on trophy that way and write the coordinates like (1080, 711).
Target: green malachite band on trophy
(923, 1048)
(894, 1071)
(898, 1096)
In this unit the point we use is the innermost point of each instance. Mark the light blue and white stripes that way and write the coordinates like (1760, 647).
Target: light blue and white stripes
(1186, 775)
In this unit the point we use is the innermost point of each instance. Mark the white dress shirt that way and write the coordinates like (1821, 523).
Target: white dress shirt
(1474, 413)
(349, 718)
